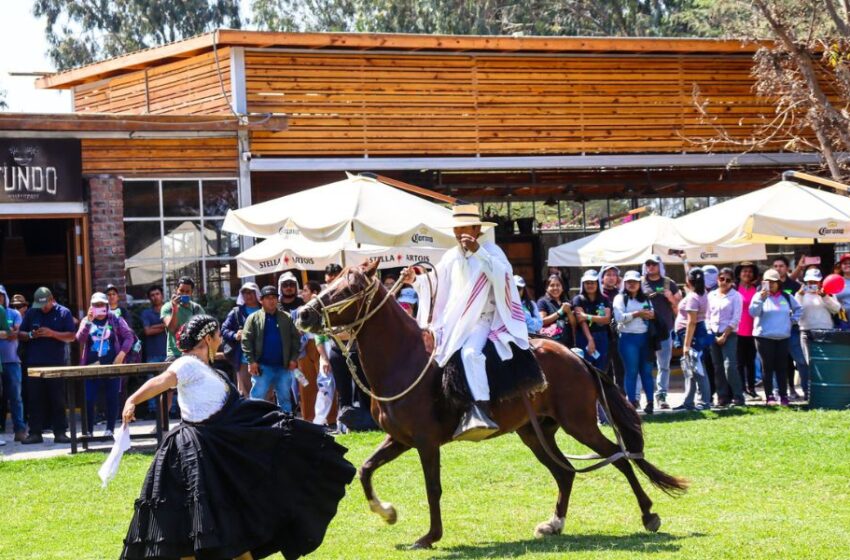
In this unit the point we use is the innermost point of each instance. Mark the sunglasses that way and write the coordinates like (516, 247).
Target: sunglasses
(722, 279)
(17, 306)
(289, 285)
(651, 263)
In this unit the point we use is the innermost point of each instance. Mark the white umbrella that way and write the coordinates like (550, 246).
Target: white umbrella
(634, 242)
(784, 213)
(285, 252)
(376, 213)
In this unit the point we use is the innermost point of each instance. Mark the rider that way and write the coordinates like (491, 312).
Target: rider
(476, 300)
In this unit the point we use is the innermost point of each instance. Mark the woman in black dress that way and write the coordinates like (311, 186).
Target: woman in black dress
(237, 478)
(559, 322)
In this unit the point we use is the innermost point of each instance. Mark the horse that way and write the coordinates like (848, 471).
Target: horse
(409, 405)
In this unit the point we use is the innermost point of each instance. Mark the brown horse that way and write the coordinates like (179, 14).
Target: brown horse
(393, 355)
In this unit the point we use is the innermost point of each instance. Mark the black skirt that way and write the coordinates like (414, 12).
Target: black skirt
(250, 478)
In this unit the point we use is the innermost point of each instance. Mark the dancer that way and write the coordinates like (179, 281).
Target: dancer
(237, 478)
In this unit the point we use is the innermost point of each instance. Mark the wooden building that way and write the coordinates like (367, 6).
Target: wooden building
(554, 136)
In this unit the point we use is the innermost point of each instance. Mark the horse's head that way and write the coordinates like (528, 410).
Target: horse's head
(342, 302)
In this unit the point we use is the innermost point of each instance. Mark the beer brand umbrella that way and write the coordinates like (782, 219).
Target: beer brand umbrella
(784, 213)
(633, 242)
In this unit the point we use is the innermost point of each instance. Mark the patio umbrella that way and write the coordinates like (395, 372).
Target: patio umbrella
(376, 213)
(634, 242)
(784, 213)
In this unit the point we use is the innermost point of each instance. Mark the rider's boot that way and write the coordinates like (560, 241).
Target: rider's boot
(476, 423)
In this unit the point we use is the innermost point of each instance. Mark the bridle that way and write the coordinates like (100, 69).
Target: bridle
(363, 300)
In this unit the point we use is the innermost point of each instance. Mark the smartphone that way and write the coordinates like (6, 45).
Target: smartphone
(184, 300)
(765, 285)
(676, 252)
(811, 260)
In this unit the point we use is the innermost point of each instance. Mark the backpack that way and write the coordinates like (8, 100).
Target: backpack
(134, 356)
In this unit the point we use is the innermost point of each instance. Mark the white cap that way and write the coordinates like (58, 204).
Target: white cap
(590, 276)
(632, 275)
(519, 281)
(99, 297)
(813, 275)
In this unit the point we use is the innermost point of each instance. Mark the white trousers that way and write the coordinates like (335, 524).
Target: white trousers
(473, 360)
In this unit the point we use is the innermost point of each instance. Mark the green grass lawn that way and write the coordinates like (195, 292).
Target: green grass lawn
(765, 484)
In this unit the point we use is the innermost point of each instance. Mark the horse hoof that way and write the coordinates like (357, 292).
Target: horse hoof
(652, 522)
(549, 528)
(385, 510)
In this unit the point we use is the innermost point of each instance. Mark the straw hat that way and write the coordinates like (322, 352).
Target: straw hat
(465, 215)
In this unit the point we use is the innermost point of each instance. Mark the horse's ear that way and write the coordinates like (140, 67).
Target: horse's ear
(370, 267)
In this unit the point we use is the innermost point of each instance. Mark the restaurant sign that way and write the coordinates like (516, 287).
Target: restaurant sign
(41, 170)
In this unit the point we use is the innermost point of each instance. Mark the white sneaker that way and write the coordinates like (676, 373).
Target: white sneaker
(2, 442)
(107, 433)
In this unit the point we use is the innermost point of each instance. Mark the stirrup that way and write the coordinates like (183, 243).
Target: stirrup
(475, 425)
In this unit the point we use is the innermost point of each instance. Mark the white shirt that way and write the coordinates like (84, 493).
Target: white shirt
(626, 315)
(200, 391)
(817, 311)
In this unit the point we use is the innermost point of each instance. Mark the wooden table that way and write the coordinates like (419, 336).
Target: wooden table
(73, 374)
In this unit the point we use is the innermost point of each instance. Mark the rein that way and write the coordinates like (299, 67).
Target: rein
(364, 300)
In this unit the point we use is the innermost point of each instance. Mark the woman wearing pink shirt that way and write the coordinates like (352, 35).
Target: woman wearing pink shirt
(748, 281)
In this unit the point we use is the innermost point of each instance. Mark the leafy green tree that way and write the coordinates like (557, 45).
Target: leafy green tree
(84, 31)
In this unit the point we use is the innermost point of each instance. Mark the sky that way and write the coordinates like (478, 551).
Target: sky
(23, 49)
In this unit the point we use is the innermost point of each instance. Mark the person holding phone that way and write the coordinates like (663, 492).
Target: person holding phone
(177, 313)
(695, 339)
(818, 310)
(593, 315)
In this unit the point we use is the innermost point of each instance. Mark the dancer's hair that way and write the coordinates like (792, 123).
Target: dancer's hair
(192, 333)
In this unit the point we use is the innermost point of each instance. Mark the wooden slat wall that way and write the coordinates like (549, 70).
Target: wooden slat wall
(157, 157)
(186, 87)
(396, 104)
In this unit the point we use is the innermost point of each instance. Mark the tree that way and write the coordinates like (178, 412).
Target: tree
(84, 31)
(805, 73)
(477, 17)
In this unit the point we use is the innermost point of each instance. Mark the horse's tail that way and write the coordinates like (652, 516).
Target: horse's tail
(626, 420)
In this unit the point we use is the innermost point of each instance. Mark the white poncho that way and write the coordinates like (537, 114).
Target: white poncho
(465, 283)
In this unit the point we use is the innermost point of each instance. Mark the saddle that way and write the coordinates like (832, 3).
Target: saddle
(507, 379)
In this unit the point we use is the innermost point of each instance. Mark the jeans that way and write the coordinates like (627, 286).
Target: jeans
(795, 349)
(662, 357)
(111, 387)
(600, 338)
(774, 360)
(637, 360)
(725, 361)
(273, 377)
(747, 362)
(694, 370)
(12, 392)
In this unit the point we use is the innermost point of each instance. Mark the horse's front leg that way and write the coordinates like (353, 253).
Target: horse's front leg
(389, 450)
(430, 458)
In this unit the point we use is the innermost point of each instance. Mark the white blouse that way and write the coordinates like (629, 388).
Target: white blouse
(200, 391)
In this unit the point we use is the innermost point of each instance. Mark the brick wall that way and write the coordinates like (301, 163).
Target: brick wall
(107, 232)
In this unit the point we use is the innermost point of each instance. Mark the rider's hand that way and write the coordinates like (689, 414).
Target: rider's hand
(408, 275)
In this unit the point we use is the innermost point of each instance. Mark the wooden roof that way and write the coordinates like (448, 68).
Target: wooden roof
(388, 42)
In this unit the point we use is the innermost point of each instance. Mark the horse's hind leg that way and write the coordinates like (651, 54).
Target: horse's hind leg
(388, 450)
(604, 447)
(563, 477)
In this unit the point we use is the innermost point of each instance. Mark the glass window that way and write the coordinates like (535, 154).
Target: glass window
(594, 211)
(618, 207)
(180, 198)
(673, 207)
(141, 199)
(176, 269)
(140, 276)
(652, 205)
(142, 240)
(693, 204)
(219, 243)
(572, 215)
(219, 197)
(546, 214)
(221, 278)
(182, 240)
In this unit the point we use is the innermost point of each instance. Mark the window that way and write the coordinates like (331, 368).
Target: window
(172, 228)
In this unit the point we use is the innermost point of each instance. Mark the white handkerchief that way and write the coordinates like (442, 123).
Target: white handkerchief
(122, 443)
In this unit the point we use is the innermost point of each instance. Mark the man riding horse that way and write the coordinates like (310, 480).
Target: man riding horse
(476, 301)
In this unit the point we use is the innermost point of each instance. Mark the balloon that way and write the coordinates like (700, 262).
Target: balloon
(833, 284)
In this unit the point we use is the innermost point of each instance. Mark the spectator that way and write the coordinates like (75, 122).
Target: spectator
(747, 274)
(593, 315)
(711, 273)
(408, 299)
(247, 303)
(694, 337)
(156, 337)
(610, 276)
(773, 312)
(389, 281)
(818, 309)
(844, 296)
(796, 358)
(725, 307)
(47, 328)
(20, 303)
(271, 344)
(559, 321)
(115, 303)
(318, 397)
(632, 313)
(533, 320)
(10, 365)
(186, 309)
(331, 272)
(104, 338)
(288, 289)
(664, 295)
